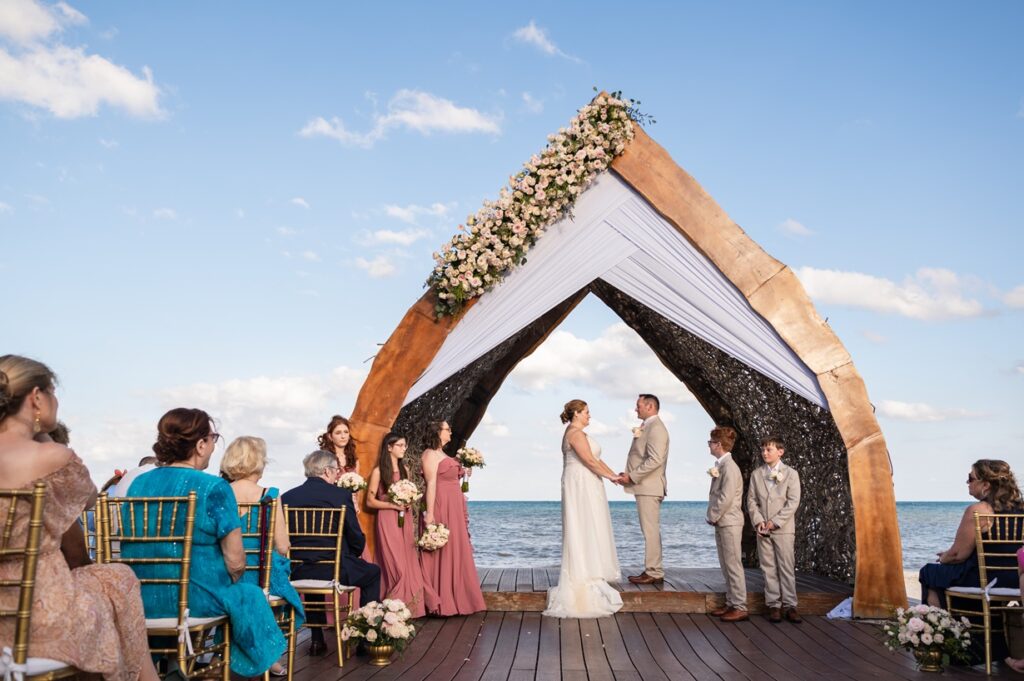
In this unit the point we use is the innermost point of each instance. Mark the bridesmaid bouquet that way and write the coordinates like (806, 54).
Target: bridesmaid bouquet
(404, 493)
(352, 482)
(434, 537)
(387, 623)
(469, 458)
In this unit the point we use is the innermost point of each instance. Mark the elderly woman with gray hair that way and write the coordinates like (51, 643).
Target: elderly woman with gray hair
(320, 491)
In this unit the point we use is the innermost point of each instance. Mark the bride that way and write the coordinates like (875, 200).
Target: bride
(589, 561)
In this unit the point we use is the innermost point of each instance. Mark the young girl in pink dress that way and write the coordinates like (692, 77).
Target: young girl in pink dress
(449, 571)
(400, 574)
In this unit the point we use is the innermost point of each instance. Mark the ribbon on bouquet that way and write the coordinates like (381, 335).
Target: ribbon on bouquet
(12, 670)
(183, 635)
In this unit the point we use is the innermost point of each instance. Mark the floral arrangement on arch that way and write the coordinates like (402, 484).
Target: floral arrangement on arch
(434, 537)
(352, 482)
(925, 626)
(386, 623)
(497, 237)
(404, 493)
(469, 458)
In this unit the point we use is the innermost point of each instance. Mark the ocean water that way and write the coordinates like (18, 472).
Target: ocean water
(529, 533)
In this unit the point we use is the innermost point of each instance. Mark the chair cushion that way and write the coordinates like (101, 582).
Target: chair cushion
(320, 584)
(1002, 592)
(172, 622)
(38, 665)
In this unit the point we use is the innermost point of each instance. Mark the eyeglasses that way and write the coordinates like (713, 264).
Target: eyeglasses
(215, 437)
(971, 478)
(712, 442)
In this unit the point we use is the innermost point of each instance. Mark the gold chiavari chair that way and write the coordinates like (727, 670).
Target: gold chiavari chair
(14, 660)
(259, 521)
(143, 521)
(89, 529)
(306, 524)
(996, 548)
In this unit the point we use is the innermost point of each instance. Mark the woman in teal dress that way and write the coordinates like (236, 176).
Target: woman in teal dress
(243, 465)
(185, 442)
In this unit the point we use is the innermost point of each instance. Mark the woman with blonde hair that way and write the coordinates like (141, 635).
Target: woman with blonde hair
(994, 485)
(90, 617)
(243, 465)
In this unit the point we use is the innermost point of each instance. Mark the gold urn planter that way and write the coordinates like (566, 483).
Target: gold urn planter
(380, 656)
(929, 659)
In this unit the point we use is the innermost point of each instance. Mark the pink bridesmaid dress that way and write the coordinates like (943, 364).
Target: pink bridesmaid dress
(401, 576)
(450, 570)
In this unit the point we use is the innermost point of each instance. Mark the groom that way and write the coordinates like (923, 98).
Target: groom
(644, 478)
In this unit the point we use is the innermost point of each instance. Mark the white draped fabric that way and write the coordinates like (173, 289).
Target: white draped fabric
(616, 236)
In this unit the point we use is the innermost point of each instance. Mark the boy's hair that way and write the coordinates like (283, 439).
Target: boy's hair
(774, 440)
(726, 437)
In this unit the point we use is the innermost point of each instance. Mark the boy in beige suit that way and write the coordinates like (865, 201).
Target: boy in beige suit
(725, 513)
(644, 478)
(772, 500)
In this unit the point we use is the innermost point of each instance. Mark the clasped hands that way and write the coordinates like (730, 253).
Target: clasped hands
(622, 479)
(766, 527)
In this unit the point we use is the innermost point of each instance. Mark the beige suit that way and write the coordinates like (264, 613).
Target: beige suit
(645, 466)
(776, 502)
(725, 512)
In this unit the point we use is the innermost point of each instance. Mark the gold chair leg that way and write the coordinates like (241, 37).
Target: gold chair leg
(337, 629)
(226, 672)
(987, 623)
(291, 641)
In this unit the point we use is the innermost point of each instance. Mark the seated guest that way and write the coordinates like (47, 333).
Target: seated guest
(185, 442)
(146, 464)
(320, 491)
(243, 465)
(993, 484)
(90, 617)
(401, 575)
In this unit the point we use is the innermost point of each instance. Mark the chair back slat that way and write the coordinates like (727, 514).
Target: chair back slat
(306, 523)
(997, 538)
(259, 522)
(29, 552)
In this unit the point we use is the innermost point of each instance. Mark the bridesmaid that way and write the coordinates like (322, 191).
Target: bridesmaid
(450, 570)
(338, 440)
(400, 574)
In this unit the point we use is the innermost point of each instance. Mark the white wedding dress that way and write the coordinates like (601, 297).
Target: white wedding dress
(589, 560)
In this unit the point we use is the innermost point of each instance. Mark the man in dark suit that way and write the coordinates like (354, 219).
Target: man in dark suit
(320, 491)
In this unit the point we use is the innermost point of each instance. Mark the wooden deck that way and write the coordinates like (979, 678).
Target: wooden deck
(686, 590)
(521, 646)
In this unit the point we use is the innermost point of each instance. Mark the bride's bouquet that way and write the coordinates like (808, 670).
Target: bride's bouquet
(352, 482)
(404, 493)
(469, 458)
(434, 537)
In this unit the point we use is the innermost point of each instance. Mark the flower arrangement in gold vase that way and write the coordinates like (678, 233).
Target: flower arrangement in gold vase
(934, 636)
(385, 626)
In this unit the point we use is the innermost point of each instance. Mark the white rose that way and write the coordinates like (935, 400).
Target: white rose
(926, 639)
(938, 638)
(371, 635)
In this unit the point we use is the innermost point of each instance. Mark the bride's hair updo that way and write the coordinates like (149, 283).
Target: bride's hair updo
(572, 407)
(178, 433)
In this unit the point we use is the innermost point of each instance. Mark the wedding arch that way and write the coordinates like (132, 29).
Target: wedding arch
(605, 210)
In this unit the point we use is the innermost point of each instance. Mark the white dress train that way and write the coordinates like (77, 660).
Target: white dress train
(589, 560)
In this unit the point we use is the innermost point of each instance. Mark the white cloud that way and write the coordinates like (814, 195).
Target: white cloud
(411, 212)
(791, 227)
(1020, 368)
(493, 427)
(377, 268)
(929, 294)
(286, 231)
(109, 144)
(532, 34)
(405, 237)
(5, 208)
(1015, 298)
(922, 413)
(165, 214)
(591, 364)
(27, 21)
(311, 256)
(70, 83)
(410, 109)
(533, 105)
(300, 202)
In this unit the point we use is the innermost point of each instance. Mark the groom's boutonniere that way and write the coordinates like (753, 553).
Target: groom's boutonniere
(714, 472)
(637, 431)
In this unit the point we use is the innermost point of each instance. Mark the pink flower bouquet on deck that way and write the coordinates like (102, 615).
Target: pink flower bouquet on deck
(469, 458)
(404, 493)
(388, 623)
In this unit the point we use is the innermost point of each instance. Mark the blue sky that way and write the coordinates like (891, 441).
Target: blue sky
(229, 205)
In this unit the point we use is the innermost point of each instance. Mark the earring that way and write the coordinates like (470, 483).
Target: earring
(36, 425)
